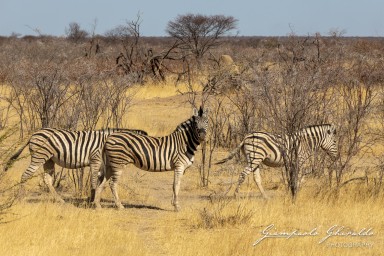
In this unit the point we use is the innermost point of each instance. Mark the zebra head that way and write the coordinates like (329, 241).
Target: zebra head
(328, 143)
(200, 118)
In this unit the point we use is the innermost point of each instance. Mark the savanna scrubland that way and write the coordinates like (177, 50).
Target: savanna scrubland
(271, 84)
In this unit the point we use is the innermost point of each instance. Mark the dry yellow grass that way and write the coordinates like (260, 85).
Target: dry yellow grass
(157, 90)
(148, 225)
(304, 216)
(49, 229)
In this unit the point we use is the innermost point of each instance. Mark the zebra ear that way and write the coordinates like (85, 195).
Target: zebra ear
(206, 111)
(195, 112)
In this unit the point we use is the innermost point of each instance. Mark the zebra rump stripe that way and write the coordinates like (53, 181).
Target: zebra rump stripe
(68, 149)
(265, 148)
(173, 152)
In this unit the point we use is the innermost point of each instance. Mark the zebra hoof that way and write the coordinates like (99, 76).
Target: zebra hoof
(120, 206)
(176, 205)
(96, 206)
(59, 200)
(177, 208)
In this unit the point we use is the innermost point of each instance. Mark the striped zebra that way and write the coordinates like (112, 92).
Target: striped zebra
(68, 149)
(156, 154)
(265, 148)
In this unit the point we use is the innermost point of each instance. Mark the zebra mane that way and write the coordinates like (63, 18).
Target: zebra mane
(307, 129)
(185, 125)
(112, 130)
(315, 125)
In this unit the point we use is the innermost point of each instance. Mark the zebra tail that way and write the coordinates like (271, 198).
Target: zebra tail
(12, 159)
(232, 154)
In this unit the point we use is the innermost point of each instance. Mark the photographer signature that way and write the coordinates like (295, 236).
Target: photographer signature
(334, 231)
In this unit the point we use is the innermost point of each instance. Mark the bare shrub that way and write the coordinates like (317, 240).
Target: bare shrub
(90, 103)
(75, 33)
(224, 212)
(355, 96)
(359, 114)
(39, 85)
(134, 57)
(118, 98)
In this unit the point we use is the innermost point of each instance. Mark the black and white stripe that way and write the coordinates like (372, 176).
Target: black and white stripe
(157, 154)
(68, 149)
(265, 148)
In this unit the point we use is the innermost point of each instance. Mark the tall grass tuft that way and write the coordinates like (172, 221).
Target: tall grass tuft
(224, 212)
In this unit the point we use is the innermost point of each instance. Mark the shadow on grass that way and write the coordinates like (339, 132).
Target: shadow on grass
(86, 204)
(105, 203)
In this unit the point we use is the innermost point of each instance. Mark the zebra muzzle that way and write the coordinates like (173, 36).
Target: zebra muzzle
(202, 134)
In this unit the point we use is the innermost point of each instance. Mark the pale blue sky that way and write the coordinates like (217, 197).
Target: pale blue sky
(256, 17)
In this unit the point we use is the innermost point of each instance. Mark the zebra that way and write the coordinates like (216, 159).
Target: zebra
(68, 149)
(175, 151)
(266, 148)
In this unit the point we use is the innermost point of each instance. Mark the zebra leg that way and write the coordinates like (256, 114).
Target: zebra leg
(247, 170)
(49, 170)
(113, 185)
(257, 179)
(28, 173)
(178, 174)
(32, 168)
(99, 189)
(95, 169)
